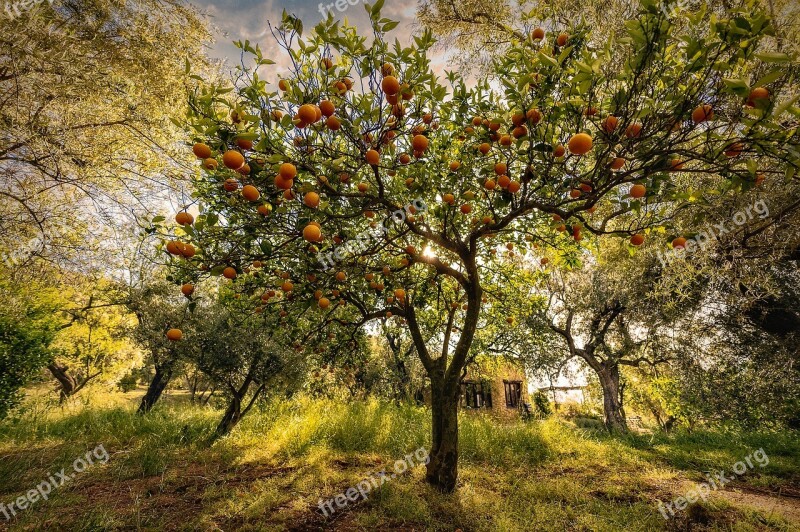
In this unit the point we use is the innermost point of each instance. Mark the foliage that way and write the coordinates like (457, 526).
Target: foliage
(28, 327)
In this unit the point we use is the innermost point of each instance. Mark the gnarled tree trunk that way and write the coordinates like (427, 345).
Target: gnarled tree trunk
(66, 382)
(612, 398)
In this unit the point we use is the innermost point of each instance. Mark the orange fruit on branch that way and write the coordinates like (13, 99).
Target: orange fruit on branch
(233, 159)
(580, 144)
(202, 151)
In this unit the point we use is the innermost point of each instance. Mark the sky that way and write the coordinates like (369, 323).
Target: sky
(247, 19)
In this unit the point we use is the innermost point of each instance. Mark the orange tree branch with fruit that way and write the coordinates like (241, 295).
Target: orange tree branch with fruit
(362, 138)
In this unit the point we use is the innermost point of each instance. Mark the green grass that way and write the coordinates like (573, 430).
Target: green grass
(164, 473)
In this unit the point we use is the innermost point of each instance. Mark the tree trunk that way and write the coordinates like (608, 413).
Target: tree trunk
(443, 466)
(66, 382)
(233, 414)
(155, 389)
(612, 402)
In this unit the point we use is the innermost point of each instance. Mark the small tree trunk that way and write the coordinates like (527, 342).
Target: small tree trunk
(155, 389)
(66, 382)
(233, 414)
(612, 403)
(442, 470)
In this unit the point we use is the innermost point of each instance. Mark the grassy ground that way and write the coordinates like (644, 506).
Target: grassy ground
(162, 473)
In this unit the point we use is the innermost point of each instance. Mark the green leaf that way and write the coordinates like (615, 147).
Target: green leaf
(774, 57)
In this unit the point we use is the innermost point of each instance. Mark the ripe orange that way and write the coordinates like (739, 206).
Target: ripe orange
(187, 289)
(405, 158)
(229, 272)
(487, 219)
(184, 218)
(633, 130)
(575, 193)
(287, 286)
(455, 165)
(559, 151)
(333, 123)
(202, 151)
(230, 185)
(466, 208)
(537, 34)
(637, 239)
(324, 303)
(174, 335)
(562, 39)
(312, 233)
(533, 116)
(449, 199)
(399, 294)
(283, 85)
(514, 187)
(244, 169)
(419, 143)
(580, 144)
(341, 276)
(484, 148)
(210, 164)
(505, 140)
(702, 113)
(503, 181)
(233, 159)
(287, 171)
(307, 113)
(676, 164)
(390, 85)
(610, 123)
(638, 191)
(500, 168)
(679, 243)
(373, 157)
(244, 144)
(617, 163)
(490, 184)
(544, 261)
(411, 250)
(311, 199)
(250, 193)
(519, 132)
(363, 187)
(590, 111)
(327, 107)
(283, 184)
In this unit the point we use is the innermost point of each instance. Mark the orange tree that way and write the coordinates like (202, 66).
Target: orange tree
(364, 188)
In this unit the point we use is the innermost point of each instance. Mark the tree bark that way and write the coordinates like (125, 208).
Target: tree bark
(155, 389)
(234, 413)
(442, 470)
(66, 382)
(612, 400)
